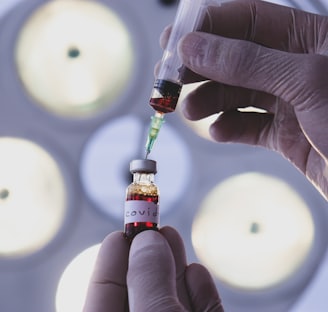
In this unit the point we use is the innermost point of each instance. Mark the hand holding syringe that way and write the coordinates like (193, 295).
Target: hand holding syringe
(168, 85)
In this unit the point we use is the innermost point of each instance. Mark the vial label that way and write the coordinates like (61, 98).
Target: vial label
(140, 211)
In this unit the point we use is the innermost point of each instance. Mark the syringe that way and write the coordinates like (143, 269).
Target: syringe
(168, 85)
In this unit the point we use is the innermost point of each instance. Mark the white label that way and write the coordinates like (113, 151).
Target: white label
(140, 211)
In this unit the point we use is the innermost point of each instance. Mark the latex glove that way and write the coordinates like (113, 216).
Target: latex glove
(270, 57)
(153, 277)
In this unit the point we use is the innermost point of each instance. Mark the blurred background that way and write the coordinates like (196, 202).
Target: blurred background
(75, 81)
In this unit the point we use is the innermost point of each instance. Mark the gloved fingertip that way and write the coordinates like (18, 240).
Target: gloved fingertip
(146, 239)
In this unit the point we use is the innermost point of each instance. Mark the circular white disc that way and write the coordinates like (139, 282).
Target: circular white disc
(32, 197)
(76, 277)
(105, 164)
(253, 231)
(74, 57)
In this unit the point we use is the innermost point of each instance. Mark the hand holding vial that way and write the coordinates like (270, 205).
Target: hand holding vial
(150, 275)
(147, 271)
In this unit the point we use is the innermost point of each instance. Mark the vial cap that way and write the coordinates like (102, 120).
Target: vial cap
(143, 165)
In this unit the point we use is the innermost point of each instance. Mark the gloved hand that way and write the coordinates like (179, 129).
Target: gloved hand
(271, 57)
(151, 275)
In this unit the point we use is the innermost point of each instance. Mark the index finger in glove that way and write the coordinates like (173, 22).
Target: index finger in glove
(151, 277)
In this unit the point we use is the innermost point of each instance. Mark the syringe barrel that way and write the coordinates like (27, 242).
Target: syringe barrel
(168, 85)
(189, 16)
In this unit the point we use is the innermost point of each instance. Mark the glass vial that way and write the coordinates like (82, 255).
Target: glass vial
(141, 209)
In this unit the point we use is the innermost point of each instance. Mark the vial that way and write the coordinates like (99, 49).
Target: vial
(141, 209)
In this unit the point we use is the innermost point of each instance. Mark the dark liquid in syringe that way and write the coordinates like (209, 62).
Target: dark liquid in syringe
(164, 104)
(132, 229)
(165, 96)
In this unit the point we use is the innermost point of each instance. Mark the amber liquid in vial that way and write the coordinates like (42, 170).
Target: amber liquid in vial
(165, 96)
(137, 192)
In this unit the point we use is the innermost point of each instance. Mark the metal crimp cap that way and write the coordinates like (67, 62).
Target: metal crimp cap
(143, 165)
